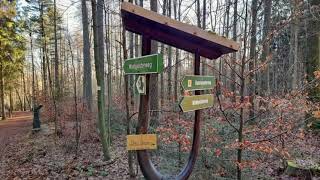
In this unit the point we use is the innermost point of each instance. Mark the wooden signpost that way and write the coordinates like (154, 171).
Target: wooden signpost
(192, 103)
(193, 82)
(141, 142)
(144, 65)
(152, 26)
(197, 102)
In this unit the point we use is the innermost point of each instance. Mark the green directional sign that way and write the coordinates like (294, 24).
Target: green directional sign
(192, 103)
(192, 82)
(144, 65)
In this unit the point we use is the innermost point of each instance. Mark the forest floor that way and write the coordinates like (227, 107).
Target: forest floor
(27, 155)
(42, 155)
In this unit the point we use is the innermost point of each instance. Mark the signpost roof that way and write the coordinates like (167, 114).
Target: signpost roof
(175, 33)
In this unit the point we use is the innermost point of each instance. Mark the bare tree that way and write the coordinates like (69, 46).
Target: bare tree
(87, 72)
(253, 56)
(264, 81)
(97, 14)
(154, 94)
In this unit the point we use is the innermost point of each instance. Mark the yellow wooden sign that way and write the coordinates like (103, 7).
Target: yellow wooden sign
(141, 142)
(316, 114)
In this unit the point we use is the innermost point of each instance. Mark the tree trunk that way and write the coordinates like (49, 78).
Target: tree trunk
(77, 125)
(204, 11)
(97, 14)
(126, 83)
(56, 58)
(253, 57)
(169, 60)
(234, 55)
(295, 45)
(24, 91)
(44, 45)
(177, 12)
(3, 112)
(20, 99)
(10, 103)
(223, 70)
(87, 72)
(33, 73)
(162, 50)
(154, 94)
(265, 84)
(242, 88)
(313, 53)
(109, 74)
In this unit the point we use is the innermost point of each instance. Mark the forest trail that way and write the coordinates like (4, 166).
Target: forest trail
(19, 124)
(27, 155)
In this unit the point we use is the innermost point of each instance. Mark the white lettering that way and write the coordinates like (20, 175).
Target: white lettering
(202, 83)
(199, 102)
(140, 66)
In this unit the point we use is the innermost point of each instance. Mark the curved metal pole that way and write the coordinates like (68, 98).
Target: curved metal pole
(147, 167)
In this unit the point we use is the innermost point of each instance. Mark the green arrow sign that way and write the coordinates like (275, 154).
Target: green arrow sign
(191, 83)
(192, 103)
(144, 65)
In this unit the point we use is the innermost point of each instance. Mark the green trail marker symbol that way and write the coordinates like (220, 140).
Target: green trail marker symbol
(192, 103)
(193, 82)
(149, 64)
(141, 85)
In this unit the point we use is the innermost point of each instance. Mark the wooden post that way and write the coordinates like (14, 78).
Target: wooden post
(186, 172)
(147, 168)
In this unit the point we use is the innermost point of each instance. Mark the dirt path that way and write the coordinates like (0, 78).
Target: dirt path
(13, 128)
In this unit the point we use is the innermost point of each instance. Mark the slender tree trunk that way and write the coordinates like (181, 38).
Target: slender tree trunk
(44, 45)
(223, 70)
(204, 14)
(177, 13)
(56, 57)
(242, 88)
(109, 74)
(126, 83)
(33, 73)
(265, 84)
(162, 50)
(78, 128)
(295, 83)
(25, 95)
(3, 112)
(169, 60)
(234, 55)
(154, 94)
(20, 99)
(313, 52)
(253, 57)
(87, 72)
(97, 14)
(131, 78)
(10, 103)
